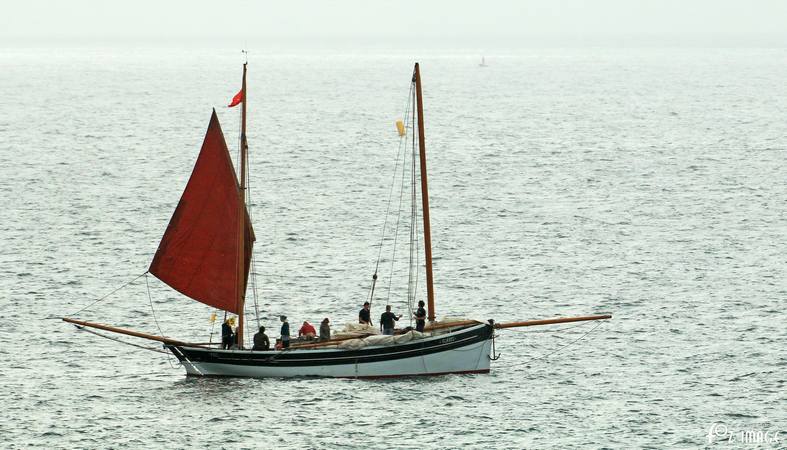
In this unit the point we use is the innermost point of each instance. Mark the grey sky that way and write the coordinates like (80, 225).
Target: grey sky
(94, 19)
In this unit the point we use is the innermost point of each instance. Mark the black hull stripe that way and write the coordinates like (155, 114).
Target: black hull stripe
(300, 358)
(362, 377)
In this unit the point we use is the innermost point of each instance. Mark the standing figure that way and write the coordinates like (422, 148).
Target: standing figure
(325, 330)
(364, 315)
(227, 336)
(388, 321)
(420, 317)
(285, 332)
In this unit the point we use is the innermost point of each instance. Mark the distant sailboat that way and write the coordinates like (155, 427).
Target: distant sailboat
(205, 254)
(483, 62)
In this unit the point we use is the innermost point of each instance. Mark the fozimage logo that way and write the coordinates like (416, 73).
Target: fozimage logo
(720, 433)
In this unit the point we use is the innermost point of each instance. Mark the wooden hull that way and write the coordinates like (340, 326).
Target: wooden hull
(461, 351)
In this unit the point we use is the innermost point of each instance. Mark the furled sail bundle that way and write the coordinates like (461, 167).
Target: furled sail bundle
(200, 252)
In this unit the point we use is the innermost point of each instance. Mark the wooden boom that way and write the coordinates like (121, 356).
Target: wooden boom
(530, 323)
(128, 332)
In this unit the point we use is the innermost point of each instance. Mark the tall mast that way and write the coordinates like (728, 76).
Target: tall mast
(242, 214)
(424, 196)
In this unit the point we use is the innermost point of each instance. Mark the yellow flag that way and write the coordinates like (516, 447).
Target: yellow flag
(400, 127)
(212, 317)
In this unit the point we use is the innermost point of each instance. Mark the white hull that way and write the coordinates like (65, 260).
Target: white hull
(471, 358)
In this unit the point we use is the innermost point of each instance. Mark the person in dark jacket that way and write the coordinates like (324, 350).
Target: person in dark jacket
(285, 332)
(227, 336)
(325, 330)
(261, 341)
(420, 317)
(388, 321)
(365, 314)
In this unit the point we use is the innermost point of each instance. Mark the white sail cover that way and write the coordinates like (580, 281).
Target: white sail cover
(381, 339)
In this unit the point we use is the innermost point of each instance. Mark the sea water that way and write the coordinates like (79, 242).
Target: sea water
(645, 183)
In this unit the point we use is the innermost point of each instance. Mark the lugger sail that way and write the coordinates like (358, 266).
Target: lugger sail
(206, 254)
(200, 253)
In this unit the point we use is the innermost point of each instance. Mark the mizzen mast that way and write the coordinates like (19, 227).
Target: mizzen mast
(241, 282)
(424, 196)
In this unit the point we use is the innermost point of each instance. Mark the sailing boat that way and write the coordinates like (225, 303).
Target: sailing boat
(205, 254)
(483, 62)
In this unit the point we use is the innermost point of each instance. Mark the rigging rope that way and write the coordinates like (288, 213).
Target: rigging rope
(396, 233)
(559, 349)
(556, 330)
(212, 325)
(161, 333)
(104, 297)
(413, 263)
(150, 300)
(253, 255)
(252, 268)
(254, 289)
(412, 282)
(112, 338)
(411, 304)
(399, 152)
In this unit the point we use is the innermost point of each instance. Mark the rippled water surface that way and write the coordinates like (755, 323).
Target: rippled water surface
(649, 184)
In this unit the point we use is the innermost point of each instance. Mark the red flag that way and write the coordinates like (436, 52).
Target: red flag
(237, 99)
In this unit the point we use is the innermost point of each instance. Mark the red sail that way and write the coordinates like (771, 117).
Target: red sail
(198, 255)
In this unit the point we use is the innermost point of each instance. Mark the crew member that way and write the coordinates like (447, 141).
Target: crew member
(307, 330)
(388, 321)
(364, 315)
(325, 330)
(420, 317)
(285, 332)
(227, 336)
(261, 341)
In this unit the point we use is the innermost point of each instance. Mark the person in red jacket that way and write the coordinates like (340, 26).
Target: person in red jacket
(307, 330)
